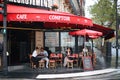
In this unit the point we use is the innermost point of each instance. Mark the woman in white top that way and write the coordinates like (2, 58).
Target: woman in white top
(85, 51)
(34, 57)
(68, 53)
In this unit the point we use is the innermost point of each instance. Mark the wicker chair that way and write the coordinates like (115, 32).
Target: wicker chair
(52, 62)
(60, 59)
(76, 58)
(31, 63)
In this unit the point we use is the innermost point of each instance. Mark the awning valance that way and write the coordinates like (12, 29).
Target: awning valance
(107, 32)
(20, 13)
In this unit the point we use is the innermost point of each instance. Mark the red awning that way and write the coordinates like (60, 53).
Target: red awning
(20, 13)
(86, 32)
(107, 32)
(94, 37)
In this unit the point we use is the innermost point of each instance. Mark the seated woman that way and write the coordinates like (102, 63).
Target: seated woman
(34, 57)
(67, 54)
(85, 51)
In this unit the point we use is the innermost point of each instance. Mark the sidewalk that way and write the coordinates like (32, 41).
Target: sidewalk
(33, 75)
(78, 74)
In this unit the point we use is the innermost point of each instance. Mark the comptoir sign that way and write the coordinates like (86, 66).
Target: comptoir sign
(59, 18)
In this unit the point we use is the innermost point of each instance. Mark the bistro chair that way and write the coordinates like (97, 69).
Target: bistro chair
(94, 59)
(60, 59)
(41, 64)
(52, 55)
(70, 63)
(52, 62)
(31, 63)
(76, 59)
(80, 59)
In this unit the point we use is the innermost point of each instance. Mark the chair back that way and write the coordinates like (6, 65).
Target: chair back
(52, 54)
(60, 55)
(30, 56)
(75, 55)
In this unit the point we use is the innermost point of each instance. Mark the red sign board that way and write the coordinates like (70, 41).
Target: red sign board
(87, 63)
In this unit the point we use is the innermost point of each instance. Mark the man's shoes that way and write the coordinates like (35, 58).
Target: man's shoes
(46, 66)
(34, 66)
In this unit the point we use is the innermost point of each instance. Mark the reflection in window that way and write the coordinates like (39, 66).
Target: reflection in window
(67, 41)
(52, 41)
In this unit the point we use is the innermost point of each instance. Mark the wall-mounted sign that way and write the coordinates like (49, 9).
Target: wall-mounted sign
(39, 39)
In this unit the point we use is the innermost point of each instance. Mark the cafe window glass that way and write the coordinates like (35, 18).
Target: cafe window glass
(80, 43)
(67, 41)
(52, 41)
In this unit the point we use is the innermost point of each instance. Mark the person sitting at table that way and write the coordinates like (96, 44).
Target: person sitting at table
(49, 51)
(67, 54)
(44, 55)
(34, 57)
(85, 51)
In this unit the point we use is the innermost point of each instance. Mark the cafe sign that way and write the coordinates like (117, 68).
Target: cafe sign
(59, 18)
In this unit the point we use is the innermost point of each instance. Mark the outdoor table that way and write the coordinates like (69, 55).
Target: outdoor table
(39, 57)
(71, 57)
(55, 57)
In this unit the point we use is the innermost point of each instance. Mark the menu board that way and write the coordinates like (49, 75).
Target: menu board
(39, 39)
(87, 63)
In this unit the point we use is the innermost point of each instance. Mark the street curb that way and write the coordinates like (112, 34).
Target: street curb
(79, 74)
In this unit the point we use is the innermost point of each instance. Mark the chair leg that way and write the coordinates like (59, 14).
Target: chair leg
(70, 64)
(52, 64)
(41, 64)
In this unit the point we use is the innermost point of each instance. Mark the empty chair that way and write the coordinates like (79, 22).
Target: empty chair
(52, 62)
(60, 59)
(31, 63)
(75, 60)
(41, 64)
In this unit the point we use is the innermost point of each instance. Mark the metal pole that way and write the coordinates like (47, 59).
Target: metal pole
(5, 68)
(116, 35)
(92, 51)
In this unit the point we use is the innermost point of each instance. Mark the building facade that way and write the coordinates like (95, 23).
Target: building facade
(73, 6)
(23, 37)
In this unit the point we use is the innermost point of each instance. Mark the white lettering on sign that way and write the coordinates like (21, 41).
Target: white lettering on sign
(63, 18)
(21, 16)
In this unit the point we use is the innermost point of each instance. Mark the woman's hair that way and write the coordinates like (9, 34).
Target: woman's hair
(70, 49)
(42, 48)
(37, 48)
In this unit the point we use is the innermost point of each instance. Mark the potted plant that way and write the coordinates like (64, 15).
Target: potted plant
(54, 6)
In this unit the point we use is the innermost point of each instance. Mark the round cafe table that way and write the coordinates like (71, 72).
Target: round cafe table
(71, 57)
(55, 57)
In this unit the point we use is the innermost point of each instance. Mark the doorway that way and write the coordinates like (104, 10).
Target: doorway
(19, 46)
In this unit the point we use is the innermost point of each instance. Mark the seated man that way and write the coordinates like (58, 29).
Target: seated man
(44, 55)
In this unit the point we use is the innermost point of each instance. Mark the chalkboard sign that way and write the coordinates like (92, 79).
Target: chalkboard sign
(87, 63)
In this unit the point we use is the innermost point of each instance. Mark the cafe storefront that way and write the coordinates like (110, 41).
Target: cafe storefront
(42, 28)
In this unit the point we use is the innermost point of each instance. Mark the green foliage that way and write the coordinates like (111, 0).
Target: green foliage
(104, 13)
